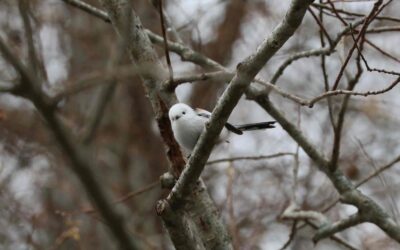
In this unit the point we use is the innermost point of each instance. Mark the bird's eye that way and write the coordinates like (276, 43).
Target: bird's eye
(183, 112)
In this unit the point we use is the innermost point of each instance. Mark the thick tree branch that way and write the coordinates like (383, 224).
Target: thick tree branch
(184, 220)
(246, 71)
(341, 183)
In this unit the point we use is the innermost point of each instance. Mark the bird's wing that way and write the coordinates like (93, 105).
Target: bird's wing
(204, 113)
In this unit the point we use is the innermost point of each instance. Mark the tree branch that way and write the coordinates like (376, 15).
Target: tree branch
(341, 183)
(89, 9)
(75, 154)
(178, 222)
(246, 158)
(246, 71)
(330, 229)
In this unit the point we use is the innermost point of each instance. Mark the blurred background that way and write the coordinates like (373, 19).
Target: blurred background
(42, 203)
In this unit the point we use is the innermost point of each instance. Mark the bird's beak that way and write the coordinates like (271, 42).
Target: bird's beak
(177, 117)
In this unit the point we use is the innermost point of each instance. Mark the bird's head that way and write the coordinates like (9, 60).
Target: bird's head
(178, 111)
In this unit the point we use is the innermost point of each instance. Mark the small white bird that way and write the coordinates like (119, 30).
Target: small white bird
(188, 124)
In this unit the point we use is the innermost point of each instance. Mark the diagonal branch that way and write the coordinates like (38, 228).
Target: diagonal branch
(246, 71)
(338, 226)
(341, 183)
(89, 9)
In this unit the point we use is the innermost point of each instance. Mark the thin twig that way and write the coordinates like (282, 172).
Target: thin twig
(23, 6)
(368, 20)
(382, 51)
(248, 158)
(378, 171)
(321, 26)
(325, 50)
(347, 92)
(337, 13)
(366, 179)
(383, 29)
(128, 196)
(354, 14)
(324, 71)
(291, 235)
(226, 76)
(367, 65)
(95, 79)
(89, 9)
(337, 128)
(171, 72)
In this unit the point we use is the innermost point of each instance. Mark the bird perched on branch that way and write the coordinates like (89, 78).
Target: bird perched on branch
(188, 124)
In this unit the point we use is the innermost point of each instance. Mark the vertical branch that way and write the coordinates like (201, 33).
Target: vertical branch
(321, 26)
(107, 91)
(323, 69)
(296, 161)
(202, 207)
(231, 211)
(23, 6)
(104, 97)
(375, 10)
(171, 73)
(340, 121)
(336, 12)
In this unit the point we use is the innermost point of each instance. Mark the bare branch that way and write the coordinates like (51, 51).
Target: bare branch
(246, 71)
(353, 14)
(341, 183)
(370, 210)
(291, 235)
(321, 26)
(105, 94)
(337, 13)
(375, 10)
(176, 219)
(76, 155)
(247, 158)
(333, 237)
(291, 212)
(313, 52)
(161, 12)
(23, 6)
(366, 179)
(383, 29)
(89, 9)
(95, 79)
(337, 128)
(381, 50)
(330, 229)
(378, 171)
(182, 231)
(129, 195)
(218, 76)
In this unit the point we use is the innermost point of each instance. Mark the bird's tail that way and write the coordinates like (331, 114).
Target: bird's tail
(256, 126)
(238, 129)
